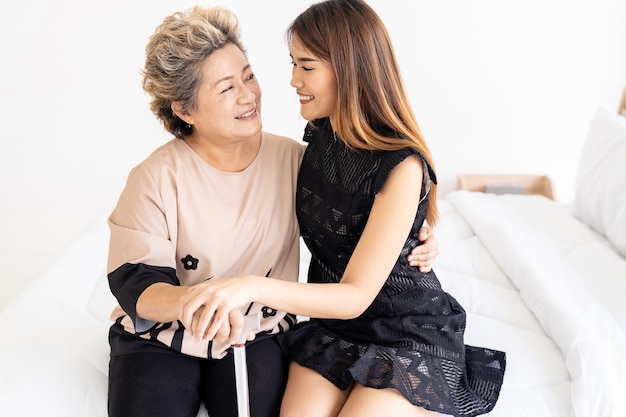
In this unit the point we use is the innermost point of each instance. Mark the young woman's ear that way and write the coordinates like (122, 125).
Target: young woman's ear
(177, 108)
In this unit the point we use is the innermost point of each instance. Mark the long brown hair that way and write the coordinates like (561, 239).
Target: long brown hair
(371, 95)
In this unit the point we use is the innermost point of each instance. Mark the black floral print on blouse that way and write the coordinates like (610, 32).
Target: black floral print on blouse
(189, 262)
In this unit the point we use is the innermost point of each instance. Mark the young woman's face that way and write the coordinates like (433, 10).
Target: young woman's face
(314, 81)
(229, 98)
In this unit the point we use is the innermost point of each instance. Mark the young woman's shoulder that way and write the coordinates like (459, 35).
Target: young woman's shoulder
(390, 159)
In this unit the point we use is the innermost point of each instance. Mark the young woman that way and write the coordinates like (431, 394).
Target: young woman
(383, 339)
(216, 200)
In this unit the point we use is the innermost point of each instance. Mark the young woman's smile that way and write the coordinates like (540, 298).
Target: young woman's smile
(315, 83)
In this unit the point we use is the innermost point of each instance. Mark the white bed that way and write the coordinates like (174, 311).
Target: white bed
(542, 281)
(540, 285)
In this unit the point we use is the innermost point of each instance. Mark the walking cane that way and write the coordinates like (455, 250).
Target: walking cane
(241, 367)
(250, 323)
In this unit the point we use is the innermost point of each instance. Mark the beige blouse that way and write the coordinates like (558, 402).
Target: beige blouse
(193, 222)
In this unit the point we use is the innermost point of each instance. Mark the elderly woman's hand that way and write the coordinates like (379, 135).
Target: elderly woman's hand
(232, 329)
(424, 255)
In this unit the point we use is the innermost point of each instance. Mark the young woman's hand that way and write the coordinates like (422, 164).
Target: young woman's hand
(210, 309)
(424, 255)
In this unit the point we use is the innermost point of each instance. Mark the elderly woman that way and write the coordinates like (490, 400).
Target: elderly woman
(215, 201)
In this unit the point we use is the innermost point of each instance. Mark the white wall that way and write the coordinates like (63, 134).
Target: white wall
(499, 86)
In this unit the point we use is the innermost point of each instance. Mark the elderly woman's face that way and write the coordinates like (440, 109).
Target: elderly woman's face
(229, 98)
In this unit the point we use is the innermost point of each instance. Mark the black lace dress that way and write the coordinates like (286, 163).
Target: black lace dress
(411, 337)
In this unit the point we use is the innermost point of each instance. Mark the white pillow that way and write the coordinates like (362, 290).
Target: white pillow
(65, 383)
(600, 199)
(101, 301)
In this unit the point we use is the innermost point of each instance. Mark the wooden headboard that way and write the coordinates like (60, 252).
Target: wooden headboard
(622, 106)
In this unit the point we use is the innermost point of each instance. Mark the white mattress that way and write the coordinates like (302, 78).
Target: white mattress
(547, 290)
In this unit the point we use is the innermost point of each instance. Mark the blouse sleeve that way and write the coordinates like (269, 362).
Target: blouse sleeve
(141, 251)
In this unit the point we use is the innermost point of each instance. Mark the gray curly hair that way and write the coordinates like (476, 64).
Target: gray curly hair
(174, 57)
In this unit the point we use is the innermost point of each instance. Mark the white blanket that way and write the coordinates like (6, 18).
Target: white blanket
(525, 269)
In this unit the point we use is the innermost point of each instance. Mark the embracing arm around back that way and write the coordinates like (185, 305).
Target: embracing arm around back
(423, 256)
(385, 233)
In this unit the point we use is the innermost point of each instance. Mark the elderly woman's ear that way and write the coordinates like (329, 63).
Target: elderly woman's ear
(177, 109)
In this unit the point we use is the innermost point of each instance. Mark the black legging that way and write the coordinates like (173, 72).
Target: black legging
(173, 385)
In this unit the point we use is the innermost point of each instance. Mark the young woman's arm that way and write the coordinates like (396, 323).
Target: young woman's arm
(385, 233)
(160, 302)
